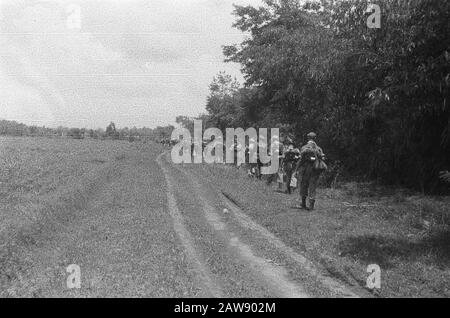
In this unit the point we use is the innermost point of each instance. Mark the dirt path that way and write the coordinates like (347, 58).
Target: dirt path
(279, 270)
(240, 266)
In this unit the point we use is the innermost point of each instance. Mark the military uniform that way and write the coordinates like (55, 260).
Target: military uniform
(273, 177)
(306, 172)
(289, 164)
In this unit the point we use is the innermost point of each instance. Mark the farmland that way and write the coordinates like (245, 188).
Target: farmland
(42, 183)
(39, 172)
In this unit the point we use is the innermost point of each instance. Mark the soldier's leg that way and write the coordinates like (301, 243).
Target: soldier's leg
(314, 180)
(271, 178)
(258, 171)
(288, 181)
(304, 184)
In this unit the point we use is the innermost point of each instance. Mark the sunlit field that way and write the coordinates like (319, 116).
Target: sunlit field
(43, 182)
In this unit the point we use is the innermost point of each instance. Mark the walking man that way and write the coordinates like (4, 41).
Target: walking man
(289, 164)
(309, 176)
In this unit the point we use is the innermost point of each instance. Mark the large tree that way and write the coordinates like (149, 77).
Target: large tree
(377, 97)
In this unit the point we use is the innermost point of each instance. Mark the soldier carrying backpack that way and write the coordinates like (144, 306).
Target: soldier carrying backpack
(309, 168)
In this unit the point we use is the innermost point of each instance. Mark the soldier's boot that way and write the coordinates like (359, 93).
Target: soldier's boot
(303, 206)
(288, 190)
(311, 205)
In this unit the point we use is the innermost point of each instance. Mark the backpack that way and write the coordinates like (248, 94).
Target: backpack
(320, 165)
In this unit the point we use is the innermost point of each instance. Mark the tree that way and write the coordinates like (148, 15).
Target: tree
(124, 133)
(75, 133)
(378, 96)
(111, 129)
(186, 122)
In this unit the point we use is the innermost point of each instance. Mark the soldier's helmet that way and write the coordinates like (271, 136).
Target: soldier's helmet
(311, 136)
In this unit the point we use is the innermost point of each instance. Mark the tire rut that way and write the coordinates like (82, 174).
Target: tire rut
(185, 236)
(273, 277)
(337, 288)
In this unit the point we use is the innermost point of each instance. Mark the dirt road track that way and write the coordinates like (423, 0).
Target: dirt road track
(155, 230)
(278, 268)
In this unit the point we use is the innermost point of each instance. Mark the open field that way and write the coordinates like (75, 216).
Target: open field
(140, 226)
(43, 182)
(38, 173)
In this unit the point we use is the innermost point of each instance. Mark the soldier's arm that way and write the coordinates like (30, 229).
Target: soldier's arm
(320, 153)
(300, 158)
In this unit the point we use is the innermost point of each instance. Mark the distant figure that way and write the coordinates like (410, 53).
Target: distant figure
(255, 168)
(289, 164)
(309, 176)
(273, 177)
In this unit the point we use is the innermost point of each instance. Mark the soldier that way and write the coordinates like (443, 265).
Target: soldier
(289, 165)
(305, 169)
(276, 143)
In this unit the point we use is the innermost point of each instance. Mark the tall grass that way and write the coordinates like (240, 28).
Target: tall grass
(43, 185)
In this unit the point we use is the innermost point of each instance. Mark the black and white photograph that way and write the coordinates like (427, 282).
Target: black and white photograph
(224, 155)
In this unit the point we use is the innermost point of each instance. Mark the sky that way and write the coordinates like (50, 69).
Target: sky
(87, 63)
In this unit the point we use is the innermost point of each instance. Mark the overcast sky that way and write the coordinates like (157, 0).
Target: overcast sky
(137, 63)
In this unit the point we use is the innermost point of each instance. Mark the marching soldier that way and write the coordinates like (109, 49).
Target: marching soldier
(289, 165)
(309, 175)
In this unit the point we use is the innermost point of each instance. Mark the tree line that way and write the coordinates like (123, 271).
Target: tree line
(13, 128)
(377, 97)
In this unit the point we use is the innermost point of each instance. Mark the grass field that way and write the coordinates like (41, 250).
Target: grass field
(354, 225)
(43, 182)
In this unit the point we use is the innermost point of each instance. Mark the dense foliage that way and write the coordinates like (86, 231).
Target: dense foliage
(377, 97)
